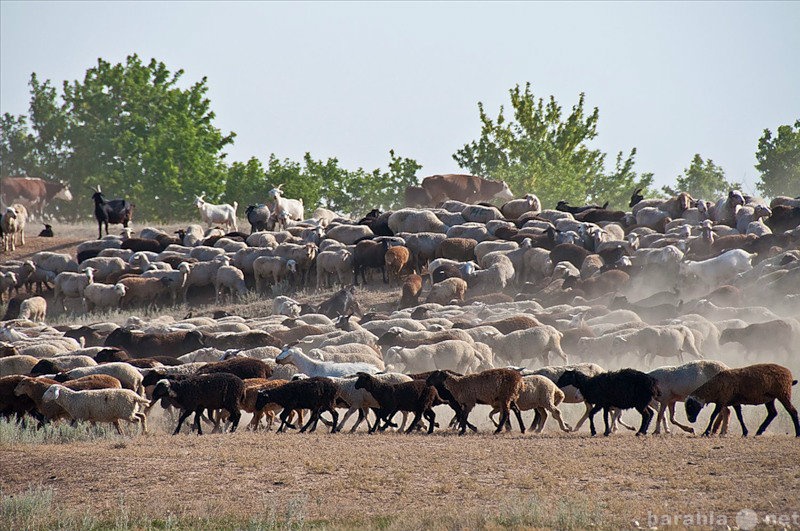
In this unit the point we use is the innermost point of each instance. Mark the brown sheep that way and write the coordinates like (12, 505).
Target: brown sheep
(498, 388)
(448, 290)
(459, 249)
(396, 259)
(412, 287)
(762, 383)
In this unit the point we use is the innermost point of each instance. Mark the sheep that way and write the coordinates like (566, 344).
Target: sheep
(143, 290)
(499, 388)
(528, 343)
(140, 345)
(257, 216)
(10, 223)
(303, 256)
(243, 367)
(223, 214)
(415, 221)
(352, 352)
(667, 341)
(543, 395)
(762, 383)
(8, 281)
(61, 364)
(283, 305)
(623, 389)
(103, 296)
(400, 337)
(472, 231)
(494, 278)
(480, 214)
(422, 246)
(203, 273)
(71, 285)
(773, 335)
(271, 269)
(676, 383)
(315, 393)
(33, 309)
(447, 290)
(455, 355)
(55, 262)
(34, 388)
(412, 288)
(349, 234)
(194, 393)
(229, 278)
(12, 404)
(17, 364)
(291, 209)
(516, 207)
(413, 396)
(369, 254)
(460, 249)
(338, 262)
(311, 367)
(783, 218)
(359, 399)
(100, 405)
(724, 212)
(127, 375)
(746, 214)
(750, 314)
(396, 259)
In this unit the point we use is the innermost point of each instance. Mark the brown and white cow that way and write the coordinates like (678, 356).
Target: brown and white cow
(464, 188)
(32, 192)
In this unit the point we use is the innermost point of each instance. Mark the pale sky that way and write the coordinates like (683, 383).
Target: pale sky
(354, 80)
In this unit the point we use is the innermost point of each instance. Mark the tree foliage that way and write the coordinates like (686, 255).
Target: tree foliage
(779, 161)
(702, 180)
(542, 150)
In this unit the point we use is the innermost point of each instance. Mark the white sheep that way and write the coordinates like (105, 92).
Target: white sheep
(9, 225)
(543, 395)
(448, 290)
(97, 295)
(127, 374)
(282, 305)
(272, 270)
(229, 278)
(177, 278)
(536, 342)
(349, 234)
(338, 262)
(516, 207)
(19, 364)
(223, 214)
(676, 383)
(71, 285)
(454, 355)
(100, 405)
(103, 267)
(55, 262)
(665, 340)
(415, 221)
(8, 281)
(33, 309)
(312, 367)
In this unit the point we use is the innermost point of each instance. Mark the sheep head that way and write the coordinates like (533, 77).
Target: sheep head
(693, 406)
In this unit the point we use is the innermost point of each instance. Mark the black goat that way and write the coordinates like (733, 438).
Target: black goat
(624, 389)
(636, 197)
(47, 232)
(564, 206)
(114, 211)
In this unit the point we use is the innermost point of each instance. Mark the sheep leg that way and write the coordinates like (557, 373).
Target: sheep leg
(197, 415)
(518, 413)
(348, 415)
(556, 415)
(738, 409)
(143, 420)
(618, 420)
(119, 428)
(592, 413)
(687, 429)
(661, 420)
(584, 417)
(493, 413)
(647, 416)
(313, 420)
(792, 413)
(537, 418)
(235, 415)
(184, 414)
(714, 414)
(606, 412)
(504, 414)
(415, 421)
(430, 416)
(771, 414)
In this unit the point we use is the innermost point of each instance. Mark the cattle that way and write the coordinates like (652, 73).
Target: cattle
(34, 193)
(114, 211)
(464, 188)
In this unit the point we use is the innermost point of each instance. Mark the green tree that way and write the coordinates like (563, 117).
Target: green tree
(779, 161)
(541, 150)
(16, 146)
(702, 180)
(134, 131)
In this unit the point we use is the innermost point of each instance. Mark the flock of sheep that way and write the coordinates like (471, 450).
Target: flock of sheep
(486, 298)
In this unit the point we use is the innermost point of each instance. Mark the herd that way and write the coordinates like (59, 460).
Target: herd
(479, 302)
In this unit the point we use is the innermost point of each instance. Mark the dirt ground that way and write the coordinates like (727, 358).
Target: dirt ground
(619, 480)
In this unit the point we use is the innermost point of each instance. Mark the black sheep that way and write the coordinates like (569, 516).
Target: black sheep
(206, 391)
(240, 366)
(47, 232)
(569, 252)
(317, 394)
(142, 244)
(415, 396)
(140, 345)
(369, 254)
(783, 218)
(623, 389)
(563, 206)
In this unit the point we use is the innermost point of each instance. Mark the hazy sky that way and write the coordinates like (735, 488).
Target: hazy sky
(353, 80)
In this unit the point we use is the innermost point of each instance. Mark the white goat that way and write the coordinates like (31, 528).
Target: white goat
(290, 208)
(311, 367)
(224, 214)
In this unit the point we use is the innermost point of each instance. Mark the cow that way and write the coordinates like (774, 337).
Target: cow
(464, 188)
(32, 192)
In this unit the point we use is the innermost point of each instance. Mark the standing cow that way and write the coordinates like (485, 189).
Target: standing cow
(464, 188)
(33, 193)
